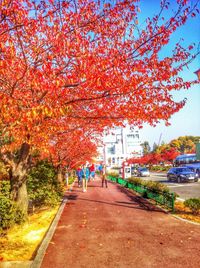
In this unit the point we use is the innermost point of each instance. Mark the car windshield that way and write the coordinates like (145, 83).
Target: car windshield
(143, 169)
(183, 170)
(192, 169)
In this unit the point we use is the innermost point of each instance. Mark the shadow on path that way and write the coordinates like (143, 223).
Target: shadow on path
(136, 202)
(142, 202)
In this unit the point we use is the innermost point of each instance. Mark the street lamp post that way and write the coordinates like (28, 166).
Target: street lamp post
(104, 153)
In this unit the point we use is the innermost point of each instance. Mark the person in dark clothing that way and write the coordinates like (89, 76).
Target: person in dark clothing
(104, 177)
(79, 173)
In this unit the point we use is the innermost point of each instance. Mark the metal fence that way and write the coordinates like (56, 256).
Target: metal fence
(165, 199)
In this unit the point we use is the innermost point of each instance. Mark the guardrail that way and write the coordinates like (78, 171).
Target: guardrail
(165, 199)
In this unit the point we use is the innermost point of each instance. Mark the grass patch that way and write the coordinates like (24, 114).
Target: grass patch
(185, 213)
(21, 242)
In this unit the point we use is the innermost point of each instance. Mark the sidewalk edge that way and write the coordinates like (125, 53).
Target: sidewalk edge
(41, 251)
(185, 220)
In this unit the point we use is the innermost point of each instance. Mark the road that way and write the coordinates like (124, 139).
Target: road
(184, 190)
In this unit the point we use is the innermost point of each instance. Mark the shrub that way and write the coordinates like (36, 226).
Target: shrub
(7, 215)
(153, 186)
(10, 214)
(160, 168)
(71, 179)
(3, 172)
(113, 174)
(43, 186)
(136, 181)
(116, 168)
(5, 188)
(193, 204)
(156, 187)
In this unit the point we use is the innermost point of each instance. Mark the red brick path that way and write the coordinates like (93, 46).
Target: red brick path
(112, 228)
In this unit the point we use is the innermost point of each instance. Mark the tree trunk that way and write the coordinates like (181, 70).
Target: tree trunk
(18, 177)
(60, 176)
(19, 192)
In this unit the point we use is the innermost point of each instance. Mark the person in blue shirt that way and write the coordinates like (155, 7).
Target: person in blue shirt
(86, 175)
(100, 168)
(79, 173)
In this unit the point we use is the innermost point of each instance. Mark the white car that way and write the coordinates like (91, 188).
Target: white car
(143, 172)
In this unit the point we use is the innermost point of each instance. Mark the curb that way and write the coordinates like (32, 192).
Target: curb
(181, 219)
(43, 246)
(180, 199)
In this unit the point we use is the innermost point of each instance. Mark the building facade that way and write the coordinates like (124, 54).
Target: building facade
(120, 144)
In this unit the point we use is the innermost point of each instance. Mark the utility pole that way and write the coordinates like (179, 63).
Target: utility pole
(159, 141)
(122, 137)
(104, 153)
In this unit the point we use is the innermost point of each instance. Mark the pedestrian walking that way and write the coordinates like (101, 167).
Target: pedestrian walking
(100, 168)
(86, 175)
(92, 172)
(79, 173)
(104, 176)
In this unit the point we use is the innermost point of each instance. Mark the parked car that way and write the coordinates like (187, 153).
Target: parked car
(143, 172)
(181, 174)
(134, 171)
(195, 168)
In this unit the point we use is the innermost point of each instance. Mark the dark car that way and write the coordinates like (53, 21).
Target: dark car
(181, 174)
(195, 168)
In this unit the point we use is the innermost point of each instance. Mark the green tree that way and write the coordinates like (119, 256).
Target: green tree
(155, 147)
(185, 144)
(146, 147)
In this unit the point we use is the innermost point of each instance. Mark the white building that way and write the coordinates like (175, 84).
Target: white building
(120, 144)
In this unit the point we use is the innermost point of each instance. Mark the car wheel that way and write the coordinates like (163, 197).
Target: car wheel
(179, 179)
(168, 178)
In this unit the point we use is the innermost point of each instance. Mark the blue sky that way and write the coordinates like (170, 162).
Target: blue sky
(186, 121)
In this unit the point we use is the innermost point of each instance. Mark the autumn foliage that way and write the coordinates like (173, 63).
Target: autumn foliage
(167, 152)
(154, 158)
(71, 67)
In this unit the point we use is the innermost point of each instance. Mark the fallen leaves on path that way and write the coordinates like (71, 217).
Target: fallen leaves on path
(185, 213)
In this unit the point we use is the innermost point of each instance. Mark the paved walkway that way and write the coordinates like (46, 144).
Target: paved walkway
(109, 227)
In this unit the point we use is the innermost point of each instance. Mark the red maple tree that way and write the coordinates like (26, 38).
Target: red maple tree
(81, 64)
(69, 151)
(169, 154)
